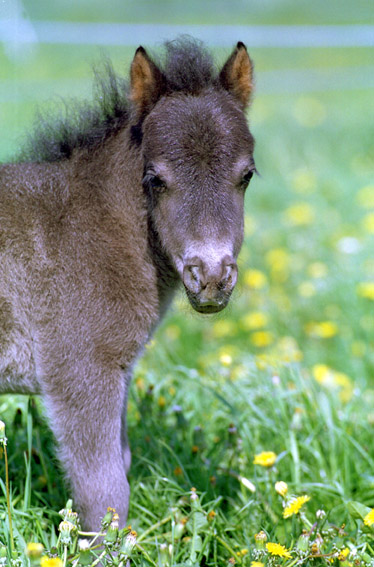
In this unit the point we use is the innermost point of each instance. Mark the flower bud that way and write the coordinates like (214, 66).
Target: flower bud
(164, 554)
(180, 528)
(247, 483)
(67, 513)
(83, 544)
(34, 550)
(3, 439)
(85, 555)
(260, 540)
(211, 515)
(112, 532)
(128, 544)
(194, 499)
(282, 488)
(66, 528)
(108, 517)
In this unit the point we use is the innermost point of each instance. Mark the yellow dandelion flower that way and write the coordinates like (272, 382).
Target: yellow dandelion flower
(265, 459)
(365, 197)
(50, 562)
(322, 373)
(161, 402)
(255, 279)
(306, 289)
(366, 290)
(369, 518)
(278, 258)
(327, 329)
(317, 270)
(254, 320)
(257, 564)
(281, 487)
(368, 223)
(261, 338)
(34, 550)
(342, 379)
(295, 506)
(225, 359)
(343, 554)
(288, 350)
(223, 327)
(322, 330)
(140, 384)
(299, 214)
(304, 181)
(277, 549)
(333, 379)
(228, 349)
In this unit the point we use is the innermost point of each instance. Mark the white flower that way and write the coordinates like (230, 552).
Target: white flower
(247, 483)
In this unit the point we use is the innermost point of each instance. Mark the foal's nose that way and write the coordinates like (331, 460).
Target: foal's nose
(209, 283)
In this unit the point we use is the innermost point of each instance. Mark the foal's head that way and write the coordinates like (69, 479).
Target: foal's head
(198, 161)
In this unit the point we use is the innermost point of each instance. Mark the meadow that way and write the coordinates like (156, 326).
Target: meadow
(251, 430)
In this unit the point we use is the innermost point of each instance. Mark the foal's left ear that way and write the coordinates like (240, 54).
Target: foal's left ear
(236, 75)
(147, 81)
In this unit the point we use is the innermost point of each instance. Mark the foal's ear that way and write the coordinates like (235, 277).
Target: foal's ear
(147, 81)
(236, 75)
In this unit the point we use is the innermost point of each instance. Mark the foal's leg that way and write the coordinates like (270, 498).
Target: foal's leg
(126, 452)
(85, 408)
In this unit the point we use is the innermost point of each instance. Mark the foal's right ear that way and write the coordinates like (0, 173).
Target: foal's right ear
(147, 81)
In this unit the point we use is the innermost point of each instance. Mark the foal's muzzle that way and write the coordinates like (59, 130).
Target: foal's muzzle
(209, 285)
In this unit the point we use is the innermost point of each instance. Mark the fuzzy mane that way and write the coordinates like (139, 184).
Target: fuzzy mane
(187, 66)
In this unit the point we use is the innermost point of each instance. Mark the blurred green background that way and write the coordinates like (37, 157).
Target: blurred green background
(34, 72)
(309, 235)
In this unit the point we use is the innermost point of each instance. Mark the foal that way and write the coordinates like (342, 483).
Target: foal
(99, 222)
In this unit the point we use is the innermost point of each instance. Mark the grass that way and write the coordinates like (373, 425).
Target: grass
(287, 368)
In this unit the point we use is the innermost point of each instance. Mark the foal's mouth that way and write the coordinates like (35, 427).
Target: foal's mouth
(205, 306)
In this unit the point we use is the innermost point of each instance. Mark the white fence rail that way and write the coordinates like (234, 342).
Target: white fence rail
(26, 31)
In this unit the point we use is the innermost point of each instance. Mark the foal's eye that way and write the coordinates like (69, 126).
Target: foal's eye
(246, 178)
(154, 182)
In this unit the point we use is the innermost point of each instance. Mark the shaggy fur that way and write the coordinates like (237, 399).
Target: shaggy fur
(186, 66)
(113, 206)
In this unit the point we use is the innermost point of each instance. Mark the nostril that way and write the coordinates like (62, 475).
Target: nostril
(195, 272)
(227, 273)
(229, 276)
(192, 276)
